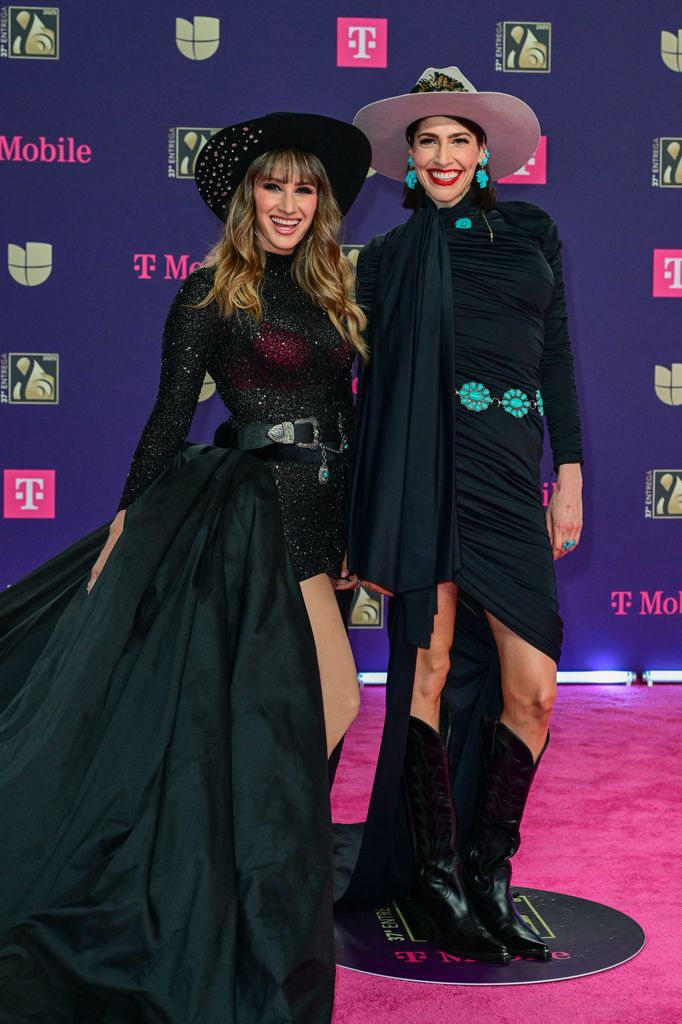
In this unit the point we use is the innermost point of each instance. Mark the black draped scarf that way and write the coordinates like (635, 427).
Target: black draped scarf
(403, 522)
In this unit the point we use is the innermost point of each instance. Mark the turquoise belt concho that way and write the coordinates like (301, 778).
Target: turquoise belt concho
(477, 398)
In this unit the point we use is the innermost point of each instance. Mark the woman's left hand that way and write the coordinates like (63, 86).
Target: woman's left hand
(565, 511)
(347, 580)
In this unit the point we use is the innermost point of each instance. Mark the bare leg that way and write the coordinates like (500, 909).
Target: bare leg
(340, 692)
(528, 686)
(433, 663)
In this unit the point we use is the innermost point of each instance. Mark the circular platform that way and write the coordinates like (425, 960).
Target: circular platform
(584, 937)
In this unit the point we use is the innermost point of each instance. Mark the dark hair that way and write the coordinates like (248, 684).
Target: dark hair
(483, 197)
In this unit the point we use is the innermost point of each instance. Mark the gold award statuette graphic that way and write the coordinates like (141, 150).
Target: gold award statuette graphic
(197, 39)
(367, 611)
(33, 378)
(526, 46)
(667, 494)
(668, 384)
(671, 49)
(208, 388)
(670, 163)
(34, 32)
(31, 265)
(351, 252)
(189, 142)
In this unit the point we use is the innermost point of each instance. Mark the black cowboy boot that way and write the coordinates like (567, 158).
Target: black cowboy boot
(508, 773)
(448, 918)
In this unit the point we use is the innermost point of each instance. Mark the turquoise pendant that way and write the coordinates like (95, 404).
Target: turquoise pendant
(323, 475)
(463, 223)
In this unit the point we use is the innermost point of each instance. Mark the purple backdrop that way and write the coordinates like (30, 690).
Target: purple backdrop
(607, 87)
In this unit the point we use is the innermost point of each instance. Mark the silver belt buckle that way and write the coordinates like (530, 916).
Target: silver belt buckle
(316, 433)
(282, 433)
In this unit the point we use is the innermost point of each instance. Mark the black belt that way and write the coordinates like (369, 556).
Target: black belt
(292, 440)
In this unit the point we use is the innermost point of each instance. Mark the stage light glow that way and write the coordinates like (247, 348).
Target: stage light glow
(662, 675)
(603, 677)
(372, 678)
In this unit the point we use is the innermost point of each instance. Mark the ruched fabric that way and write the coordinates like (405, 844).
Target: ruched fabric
(166, 853)
(449, 306)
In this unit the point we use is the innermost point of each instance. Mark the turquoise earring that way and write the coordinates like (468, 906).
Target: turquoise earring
(411, 176)
(482, 176)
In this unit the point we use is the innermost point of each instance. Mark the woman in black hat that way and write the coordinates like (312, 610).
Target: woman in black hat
(164, 804)
(468, 352)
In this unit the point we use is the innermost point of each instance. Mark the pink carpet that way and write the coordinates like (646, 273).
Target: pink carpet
(604, 822)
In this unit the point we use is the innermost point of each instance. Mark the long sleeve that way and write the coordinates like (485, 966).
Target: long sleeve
(187, 340)
(557, 377)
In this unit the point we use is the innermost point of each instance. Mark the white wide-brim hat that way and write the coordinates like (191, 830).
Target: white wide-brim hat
(512, 129)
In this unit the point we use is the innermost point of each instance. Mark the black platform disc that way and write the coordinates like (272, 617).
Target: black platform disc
(584, 938)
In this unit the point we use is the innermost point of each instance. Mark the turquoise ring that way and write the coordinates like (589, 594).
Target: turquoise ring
(568, 544)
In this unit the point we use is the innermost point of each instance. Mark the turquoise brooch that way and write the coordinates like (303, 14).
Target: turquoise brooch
(462, 223)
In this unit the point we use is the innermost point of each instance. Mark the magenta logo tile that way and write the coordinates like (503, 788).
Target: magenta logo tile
(361, 42)
(668, 273)
(29, 493)
(534, 172)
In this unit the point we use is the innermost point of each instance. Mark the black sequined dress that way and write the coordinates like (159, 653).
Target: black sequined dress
(164, 807)
(292, 365)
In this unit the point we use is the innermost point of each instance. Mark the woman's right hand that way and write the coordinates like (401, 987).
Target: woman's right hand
(115, 531)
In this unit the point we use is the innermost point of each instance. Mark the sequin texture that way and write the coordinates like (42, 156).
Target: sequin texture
(292, 365)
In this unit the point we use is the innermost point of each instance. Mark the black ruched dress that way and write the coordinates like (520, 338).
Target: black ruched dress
(164, 805)
(449, 445)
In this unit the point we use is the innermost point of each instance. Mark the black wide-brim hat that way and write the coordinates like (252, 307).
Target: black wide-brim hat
(343, 150)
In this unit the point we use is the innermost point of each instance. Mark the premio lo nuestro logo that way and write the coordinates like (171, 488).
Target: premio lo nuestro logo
(197, 39)
(367, 609)
(671, 49)
(29, 378)
(663, 491)
(666, 171)
(523, 46)
(29, 493)
(31, 33)
(351, 252)
(668, 384)
(362, 42)
(30, 264)
(184, 146)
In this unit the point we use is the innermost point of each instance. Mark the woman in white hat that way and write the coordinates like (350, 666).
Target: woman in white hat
(164, 807)
(469, 351)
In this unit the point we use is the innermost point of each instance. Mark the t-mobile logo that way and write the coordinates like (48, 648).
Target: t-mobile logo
(362, 42)
(668, 273)
(29, 494)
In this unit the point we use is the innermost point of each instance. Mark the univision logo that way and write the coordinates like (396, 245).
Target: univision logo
(197, 39)
(668, 384)
(671, 49)
(31, 265)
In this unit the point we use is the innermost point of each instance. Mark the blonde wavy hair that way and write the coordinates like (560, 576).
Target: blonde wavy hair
(318, 267)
